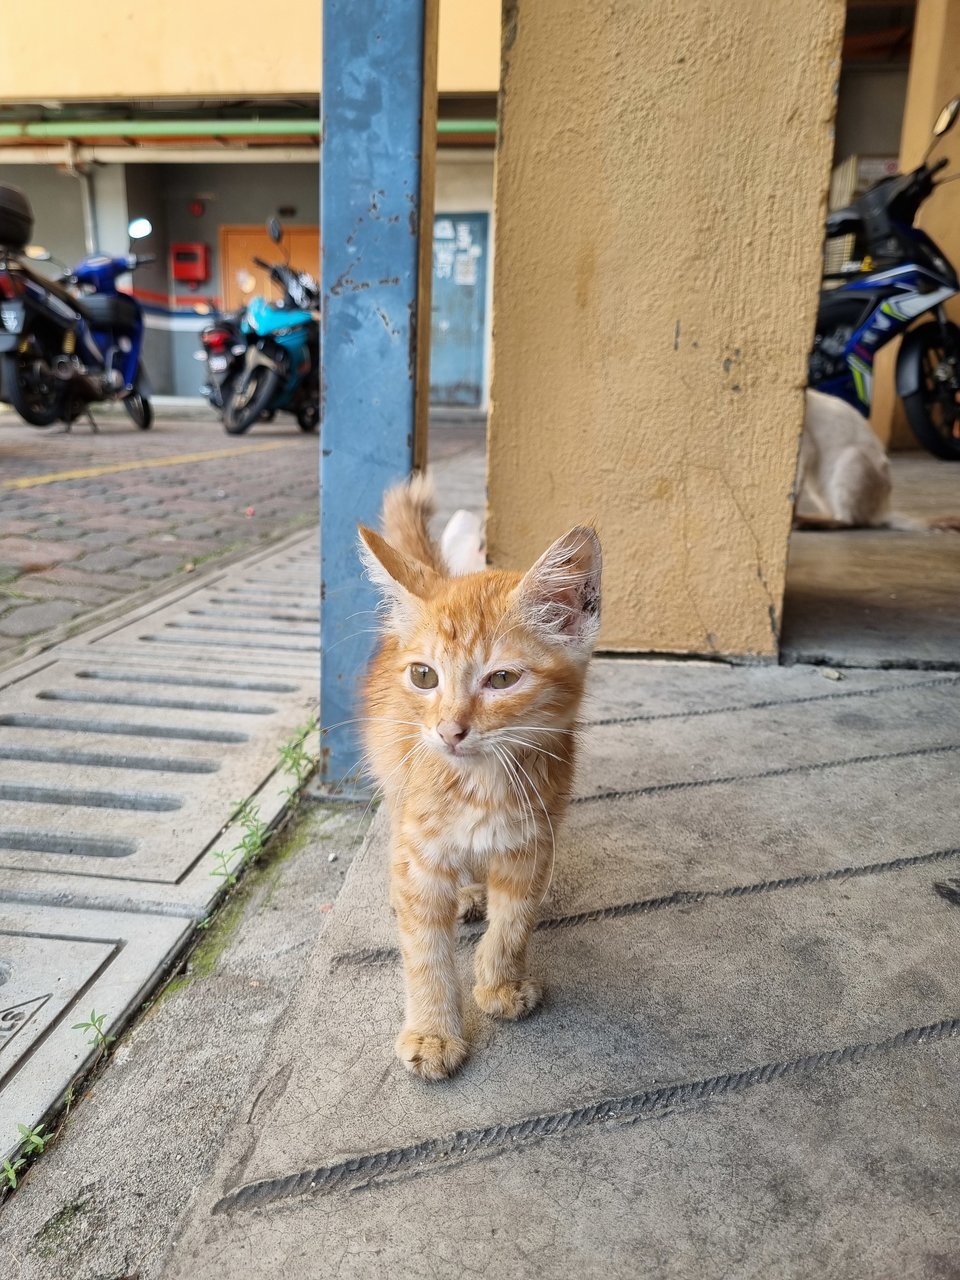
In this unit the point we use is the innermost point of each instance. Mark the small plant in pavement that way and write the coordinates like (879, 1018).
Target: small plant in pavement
(249, 846)
(9, 1170)
(296, 760)
(94, 1027)
(33, 1140)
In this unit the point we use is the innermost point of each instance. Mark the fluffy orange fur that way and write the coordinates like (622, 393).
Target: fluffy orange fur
(471, 706)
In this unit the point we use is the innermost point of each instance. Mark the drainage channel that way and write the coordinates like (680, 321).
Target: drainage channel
(124, 754)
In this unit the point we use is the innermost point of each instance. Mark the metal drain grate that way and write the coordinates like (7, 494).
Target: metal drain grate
(123, 757)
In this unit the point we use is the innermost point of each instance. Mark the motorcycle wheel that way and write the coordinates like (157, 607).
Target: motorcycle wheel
(35, 396)
(308, 415)
(248, 398)
(934, 411)
(138, 407)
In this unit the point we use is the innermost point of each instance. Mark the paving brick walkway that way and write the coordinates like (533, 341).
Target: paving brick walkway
(72, 546)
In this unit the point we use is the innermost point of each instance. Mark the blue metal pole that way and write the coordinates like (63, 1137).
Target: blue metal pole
(378, 106)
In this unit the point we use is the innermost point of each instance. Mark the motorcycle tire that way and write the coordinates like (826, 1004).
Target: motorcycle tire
(308, 416)
(139, 410)
(934, 410)
(137, 403)
(37, 402)
(246, 402)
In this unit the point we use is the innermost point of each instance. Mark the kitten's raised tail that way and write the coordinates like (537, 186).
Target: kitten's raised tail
(407, 509)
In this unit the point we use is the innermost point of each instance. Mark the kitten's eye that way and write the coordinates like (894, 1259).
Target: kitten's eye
(423, 677)
(502, 679)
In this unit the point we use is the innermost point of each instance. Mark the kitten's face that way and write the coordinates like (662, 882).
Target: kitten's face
(490, 660)
(474, 677)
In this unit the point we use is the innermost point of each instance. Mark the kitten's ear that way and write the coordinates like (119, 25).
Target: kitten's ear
(400, 580)
(560, 596)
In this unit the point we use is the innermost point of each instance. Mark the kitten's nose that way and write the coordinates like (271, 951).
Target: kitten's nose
(452, 732)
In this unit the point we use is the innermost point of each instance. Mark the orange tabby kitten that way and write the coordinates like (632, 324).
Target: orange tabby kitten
(471, 702)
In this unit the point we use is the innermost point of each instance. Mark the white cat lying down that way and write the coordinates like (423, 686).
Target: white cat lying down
(845, 473)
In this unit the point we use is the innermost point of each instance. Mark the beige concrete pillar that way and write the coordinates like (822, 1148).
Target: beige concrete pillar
(934, 79)
(662, 173)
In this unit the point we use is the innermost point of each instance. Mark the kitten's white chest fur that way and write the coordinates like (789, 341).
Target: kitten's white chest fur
(490, 819)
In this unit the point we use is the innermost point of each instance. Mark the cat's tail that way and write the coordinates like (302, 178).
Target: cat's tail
(407, 509)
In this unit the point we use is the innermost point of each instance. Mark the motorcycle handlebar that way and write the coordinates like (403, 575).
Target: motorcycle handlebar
(259, 262)
(144, 258)
(941, 164)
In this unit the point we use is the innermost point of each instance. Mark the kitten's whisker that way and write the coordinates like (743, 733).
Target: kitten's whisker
(514, 780)
(367, 631)
(534, 826)
(421, 749)
(382, 788)
(531, 746)
(553, 839)
(327, 728)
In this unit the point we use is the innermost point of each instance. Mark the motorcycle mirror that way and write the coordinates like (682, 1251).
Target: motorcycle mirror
(246, 281)
(139, 228)
(947, 118)
(274, 230)
(37, 253)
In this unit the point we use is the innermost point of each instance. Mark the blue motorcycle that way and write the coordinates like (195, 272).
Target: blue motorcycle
(281, 365)
(71, 342)
(902, 275)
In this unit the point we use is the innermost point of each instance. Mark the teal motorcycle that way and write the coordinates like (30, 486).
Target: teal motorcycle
(280, 369)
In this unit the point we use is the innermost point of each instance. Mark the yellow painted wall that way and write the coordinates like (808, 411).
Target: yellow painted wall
(216, 48)
(662, 173)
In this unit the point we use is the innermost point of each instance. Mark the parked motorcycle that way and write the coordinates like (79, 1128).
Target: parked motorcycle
(71, 342)
(281, 365)
(223, 346)
(901, 276)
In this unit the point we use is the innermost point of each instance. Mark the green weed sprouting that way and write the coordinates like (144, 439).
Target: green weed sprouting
(295, 760)
(94, 1026)
(249, 847)
(33, 1141)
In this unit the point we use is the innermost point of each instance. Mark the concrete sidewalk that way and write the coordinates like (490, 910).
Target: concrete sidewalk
(747, 1063)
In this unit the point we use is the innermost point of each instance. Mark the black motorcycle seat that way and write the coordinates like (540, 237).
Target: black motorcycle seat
(58, 290)
(844, 222)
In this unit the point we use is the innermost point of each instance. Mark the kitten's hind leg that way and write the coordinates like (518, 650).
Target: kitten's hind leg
(431, 1044)
(503, 987)
(471, 903)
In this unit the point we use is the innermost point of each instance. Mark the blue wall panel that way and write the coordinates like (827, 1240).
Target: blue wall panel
(459, 304)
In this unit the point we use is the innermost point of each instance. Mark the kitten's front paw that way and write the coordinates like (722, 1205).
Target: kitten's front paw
(509, 999)
(430, 1057)
(472, 903)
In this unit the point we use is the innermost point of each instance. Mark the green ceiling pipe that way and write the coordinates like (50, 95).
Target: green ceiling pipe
(65, 129)
(466, 126)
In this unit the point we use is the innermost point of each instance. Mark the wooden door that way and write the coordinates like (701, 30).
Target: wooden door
(240, 244)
